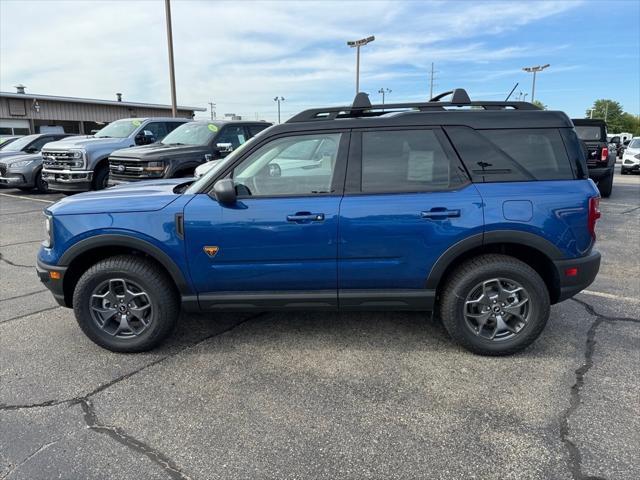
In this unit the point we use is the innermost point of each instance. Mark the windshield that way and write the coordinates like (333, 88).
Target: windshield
(589, 132)
(635, 143)
(19, 144)
(191, 134)
(119, 129)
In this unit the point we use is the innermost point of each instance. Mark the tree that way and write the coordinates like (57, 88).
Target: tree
(608, 110)
(539, 104)
(629, 123)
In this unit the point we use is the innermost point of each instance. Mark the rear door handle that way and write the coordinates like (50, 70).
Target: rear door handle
(440, 213)
(305, 217)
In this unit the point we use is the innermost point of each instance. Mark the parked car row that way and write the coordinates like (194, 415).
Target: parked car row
(136, 149)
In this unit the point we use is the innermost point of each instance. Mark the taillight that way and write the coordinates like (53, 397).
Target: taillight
(605, 153)
(594, 215)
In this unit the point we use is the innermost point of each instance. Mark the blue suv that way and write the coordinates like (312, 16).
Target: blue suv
(481, 212)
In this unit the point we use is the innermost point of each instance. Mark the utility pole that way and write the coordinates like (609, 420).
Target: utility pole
(606, 110)
(278, 99)
(357, 44)
(534, 70)
(172, 72)
(384, 91)
(212, 110)
(431, 83)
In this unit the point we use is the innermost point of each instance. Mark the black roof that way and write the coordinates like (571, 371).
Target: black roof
(459, 111)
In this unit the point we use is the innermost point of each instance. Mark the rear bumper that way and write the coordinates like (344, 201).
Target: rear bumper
(587, 269)
(55, 286)
(599, 173)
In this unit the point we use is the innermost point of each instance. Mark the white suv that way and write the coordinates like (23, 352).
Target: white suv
(631, 157)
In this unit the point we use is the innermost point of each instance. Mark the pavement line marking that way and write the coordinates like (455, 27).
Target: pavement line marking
(26, 198)
(610, 295)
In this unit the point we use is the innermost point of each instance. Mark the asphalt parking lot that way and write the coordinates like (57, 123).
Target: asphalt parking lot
(317, 395)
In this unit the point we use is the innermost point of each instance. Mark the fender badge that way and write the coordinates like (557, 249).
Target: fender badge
(210, 250)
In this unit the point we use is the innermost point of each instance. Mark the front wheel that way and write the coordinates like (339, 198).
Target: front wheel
(126, 304)
(41, 185)
(101, 178)
(494, 305)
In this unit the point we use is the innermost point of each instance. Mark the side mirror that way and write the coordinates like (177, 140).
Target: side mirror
(224, 148)
(208, 157)
(145, 137)
(31, 150)
(225, 191)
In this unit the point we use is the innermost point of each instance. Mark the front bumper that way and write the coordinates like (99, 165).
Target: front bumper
(586, 269)
(12, 181)
(68, 180)
(54, 285)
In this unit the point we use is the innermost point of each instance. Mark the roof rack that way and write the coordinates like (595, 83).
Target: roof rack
(362, 107)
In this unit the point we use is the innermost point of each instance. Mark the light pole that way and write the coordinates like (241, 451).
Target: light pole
(524, 97)
(384, 91)
(172, 73)
(278, 99)
(357, 44)
(534, 70)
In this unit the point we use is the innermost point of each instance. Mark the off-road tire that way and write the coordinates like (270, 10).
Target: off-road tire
(101, 178)
(606, 186)
(157, 285)
(465, 277)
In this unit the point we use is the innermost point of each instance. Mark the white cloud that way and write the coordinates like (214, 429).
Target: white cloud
(243, 53)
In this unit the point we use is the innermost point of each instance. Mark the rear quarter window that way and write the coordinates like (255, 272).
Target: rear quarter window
(512, 155)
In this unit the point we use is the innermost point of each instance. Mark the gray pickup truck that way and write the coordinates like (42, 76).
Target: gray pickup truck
(79, 164)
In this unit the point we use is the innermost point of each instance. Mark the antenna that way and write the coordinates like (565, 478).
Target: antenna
(514, 87)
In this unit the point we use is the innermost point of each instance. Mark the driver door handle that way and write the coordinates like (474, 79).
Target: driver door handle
(305, 217)
(440, 213)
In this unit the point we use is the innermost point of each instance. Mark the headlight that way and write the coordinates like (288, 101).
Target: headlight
(157, 167)
(77, 153)
(48, 227)
(21, 163)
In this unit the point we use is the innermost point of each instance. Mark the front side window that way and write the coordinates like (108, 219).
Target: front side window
(119, 129)
(158, 129)
(298, 165)
(406, 161)
(234, 135)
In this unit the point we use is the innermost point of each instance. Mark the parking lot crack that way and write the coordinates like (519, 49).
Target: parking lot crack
(23, 295)
(28, 315)
(575, 401)
(168, 465)
(26, 242)
(630, 210)
(13, 264)
(41, 448)
(48, 403)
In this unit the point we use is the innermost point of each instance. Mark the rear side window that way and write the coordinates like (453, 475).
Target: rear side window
(406, 161)
(590, 132)
(510, 155)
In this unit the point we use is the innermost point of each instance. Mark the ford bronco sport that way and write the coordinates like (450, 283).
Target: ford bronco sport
(483, 214)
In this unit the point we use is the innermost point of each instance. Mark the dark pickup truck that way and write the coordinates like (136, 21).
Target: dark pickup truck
(181, 151)
(601, 159)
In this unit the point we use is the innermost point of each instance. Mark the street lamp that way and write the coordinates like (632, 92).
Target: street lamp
(384, 91)
(172, 71)
(534, 70)
(278, 99)
(357, 44)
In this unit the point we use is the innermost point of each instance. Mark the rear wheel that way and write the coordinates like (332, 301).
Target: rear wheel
(494, 305)
(606, 185)
(126, 304)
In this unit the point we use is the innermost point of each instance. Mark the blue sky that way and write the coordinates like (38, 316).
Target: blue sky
(241, 54)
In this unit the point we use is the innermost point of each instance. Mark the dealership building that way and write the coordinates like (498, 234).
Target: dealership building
(23, 113)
